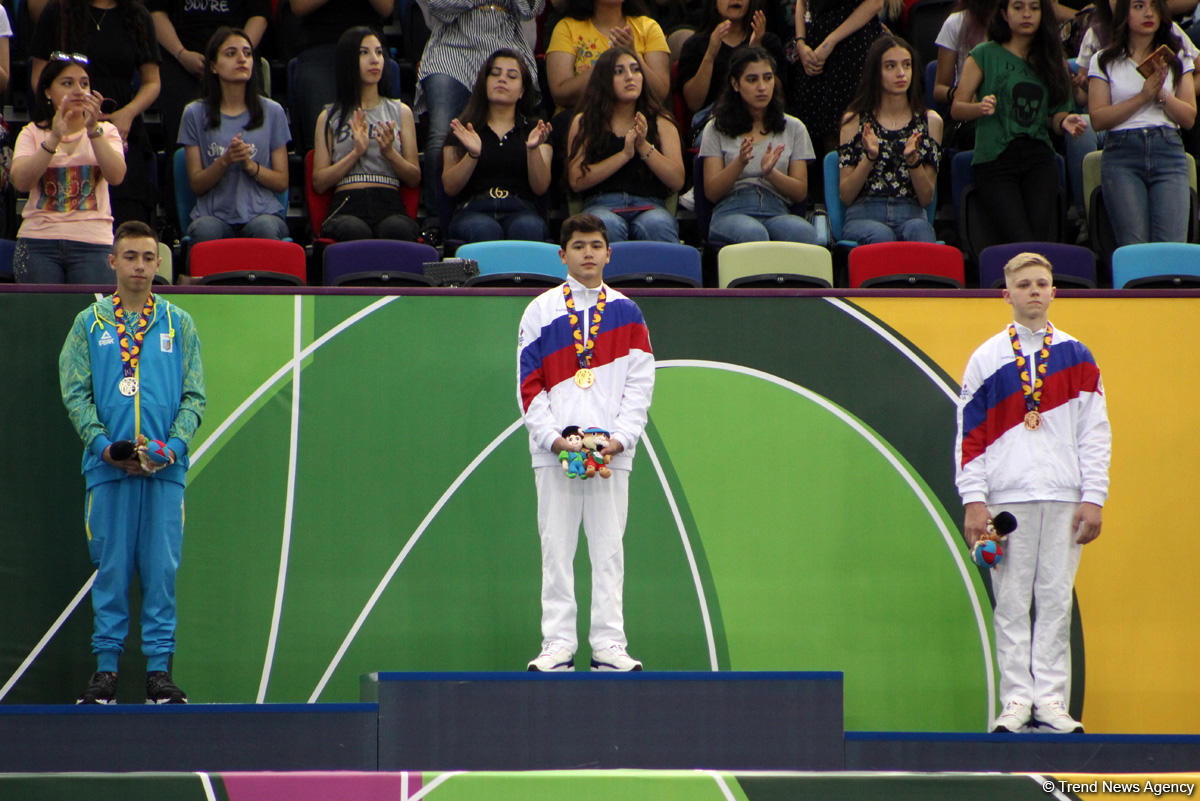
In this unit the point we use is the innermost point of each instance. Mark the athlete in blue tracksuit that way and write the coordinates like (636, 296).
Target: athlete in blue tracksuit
(130, 371)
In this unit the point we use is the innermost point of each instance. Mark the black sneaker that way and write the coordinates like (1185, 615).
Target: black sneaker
(161, 690)
(102, 689)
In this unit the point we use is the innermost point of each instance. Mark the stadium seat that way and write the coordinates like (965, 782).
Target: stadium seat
(659, 264)
(774, 265)
(833, 200)
(7, 250)
(514, 262)
(166, 266)
(1157, 265)
(377, 262)
(248, 261)
(911, 265)
(1074, 266)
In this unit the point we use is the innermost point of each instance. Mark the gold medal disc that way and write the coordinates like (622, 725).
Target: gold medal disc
(584, 378)
(128, 386)
(1033, 420)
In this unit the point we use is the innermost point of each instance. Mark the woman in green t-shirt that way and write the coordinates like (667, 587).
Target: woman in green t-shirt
(1020, 78)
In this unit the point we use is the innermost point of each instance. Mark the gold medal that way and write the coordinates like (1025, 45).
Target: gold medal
(1033, 420)
(584, 378)
(128, 386)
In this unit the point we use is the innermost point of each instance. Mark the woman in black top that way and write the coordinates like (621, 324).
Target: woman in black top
(498, 160)
(117, 39)
(624, 155)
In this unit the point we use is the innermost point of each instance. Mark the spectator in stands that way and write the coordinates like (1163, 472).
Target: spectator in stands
(624, 155)
(465, 35)
(498, 160)
(236, 147)
(830, 47)
(183, 29)
(704, 60)
(965, 27)
(366, 148)
(1016, 88)
(117, 37)
(890, 150)
(1144, 169)
(319, 24)
(590, 28)
(66, 159)
(755, 158)
(6, 33)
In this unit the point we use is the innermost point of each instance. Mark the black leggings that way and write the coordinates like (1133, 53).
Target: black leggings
(1019, 192)
(371, 213)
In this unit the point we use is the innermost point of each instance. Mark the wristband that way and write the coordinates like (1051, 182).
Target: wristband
(50, 150)
(95, 133)
(257, 169)
(950, 94)
(472, 155)
(648, 153)
(798, 39)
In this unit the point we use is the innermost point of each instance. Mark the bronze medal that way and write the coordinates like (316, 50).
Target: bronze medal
(584, 378)
(128, 386)
(1033, 420)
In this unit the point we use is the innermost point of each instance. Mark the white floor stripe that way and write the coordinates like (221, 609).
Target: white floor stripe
(285, 546)
(442, 777)
(950, 391)
(206, 782)
(49, 635)
(287, 367)
(408, 546)
(1043, 782)
(720, 780)
(705, 615)
(951, 540)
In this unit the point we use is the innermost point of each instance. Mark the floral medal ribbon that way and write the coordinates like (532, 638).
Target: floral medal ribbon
(131, 352)
(584, 344)
(1031, 389)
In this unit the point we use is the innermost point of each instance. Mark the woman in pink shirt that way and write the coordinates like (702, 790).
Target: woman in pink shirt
(66, 160)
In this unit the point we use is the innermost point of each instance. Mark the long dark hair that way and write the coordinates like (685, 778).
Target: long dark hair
(1045, 50)
(584, 9)
(41, 111)
(977, 14)
(348, 78)
(870, 86)
(598, 101)
(712, 17)
(1164, 35)
(1102, 23)
(77, 26)
(730, 115)
(475, 112)
(210, 84)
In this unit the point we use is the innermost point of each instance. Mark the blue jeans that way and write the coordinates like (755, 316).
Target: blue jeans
(754, 214)
(887, 219)
(485, 219)
(264, 226)
(444, 100)
(1145, 182)
(61, 261)
(655, 225)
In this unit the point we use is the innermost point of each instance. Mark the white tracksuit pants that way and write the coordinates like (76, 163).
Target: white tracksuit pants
(602, 505)
(1039, 567)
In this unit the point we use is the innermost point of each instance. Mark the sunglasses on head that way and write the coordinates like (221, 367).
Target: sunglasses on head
(78, 58)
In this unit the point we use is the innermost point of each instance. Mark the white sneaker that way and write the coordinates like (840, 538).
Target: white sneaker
(1015, 717)
(554, 658)
(1052, 713)
(688, 200)
(614, 659)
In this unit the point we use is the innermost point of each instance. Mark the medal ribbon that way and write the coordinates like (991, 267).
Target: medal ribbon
(584, 345)
(132, 353)
(1032, 390)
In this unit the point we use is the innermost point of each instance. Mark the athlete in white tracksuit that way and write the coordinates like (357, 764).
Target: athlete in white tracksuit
(1034, 440)
(607, 385)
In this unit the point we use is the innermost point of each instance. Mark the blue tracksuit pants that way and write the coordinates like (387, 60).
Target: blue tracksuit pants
(134, 523)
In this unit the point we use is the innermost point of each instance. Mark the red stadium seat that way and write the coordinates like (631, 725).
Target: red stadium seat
(906, 265)
(248, 262)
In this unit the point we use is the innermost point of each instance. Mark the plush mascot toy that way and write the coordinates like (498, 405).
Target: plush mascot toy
(573, 460)
(594, 441)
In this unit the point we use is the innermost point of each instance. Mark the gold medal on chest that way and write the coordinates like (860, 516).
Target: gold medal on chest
(584, 378)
